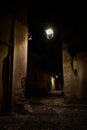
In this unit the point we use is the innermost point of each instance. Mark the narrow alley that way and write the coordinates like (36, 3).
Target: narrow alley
(47, 114)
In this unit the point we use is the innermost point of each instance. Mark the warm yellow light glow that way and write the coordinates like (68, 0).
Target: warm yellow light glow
(53, 83)
(49, 33)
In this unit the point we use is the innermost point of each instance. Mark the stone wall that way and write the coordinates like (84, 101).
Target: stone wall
(20, 59)
(37, 82)
(5, 22)
(20, 53)
(75, 84)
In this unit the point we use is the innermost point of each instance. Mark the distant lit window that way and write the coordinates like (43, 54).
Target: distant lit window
(56, 76)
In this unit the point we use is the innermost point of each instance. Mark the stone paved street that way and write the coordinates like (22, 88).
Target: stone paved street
(44, 115)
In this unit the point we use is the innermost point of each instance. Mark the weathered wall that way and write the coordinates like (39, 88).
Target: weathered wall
(5, 21)
(75, 85)
(20, 51)
(3, 54)
(37, 79)
(82, 61)
(20, 58)
(37, 82)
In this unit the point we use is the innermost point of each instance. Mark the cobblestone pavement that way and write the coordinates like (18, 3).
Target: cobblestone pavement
(46, 116)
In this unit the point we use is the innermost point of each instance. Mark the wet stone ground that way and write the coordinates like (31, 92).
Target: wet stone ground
(47, 116)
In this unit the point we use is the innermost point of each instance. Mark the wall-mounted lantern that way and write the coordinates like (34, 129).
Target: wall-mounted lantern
(49, 33)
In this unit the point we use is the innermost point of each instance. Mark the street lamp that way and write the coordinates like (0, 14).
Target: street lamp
(49, 33)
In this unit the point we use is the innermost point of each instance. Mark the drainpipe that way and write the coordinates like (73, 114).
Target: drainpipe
(10, 61)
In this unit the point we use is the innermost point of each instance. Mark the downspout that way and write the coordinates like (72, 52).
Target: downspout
(11, 59)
